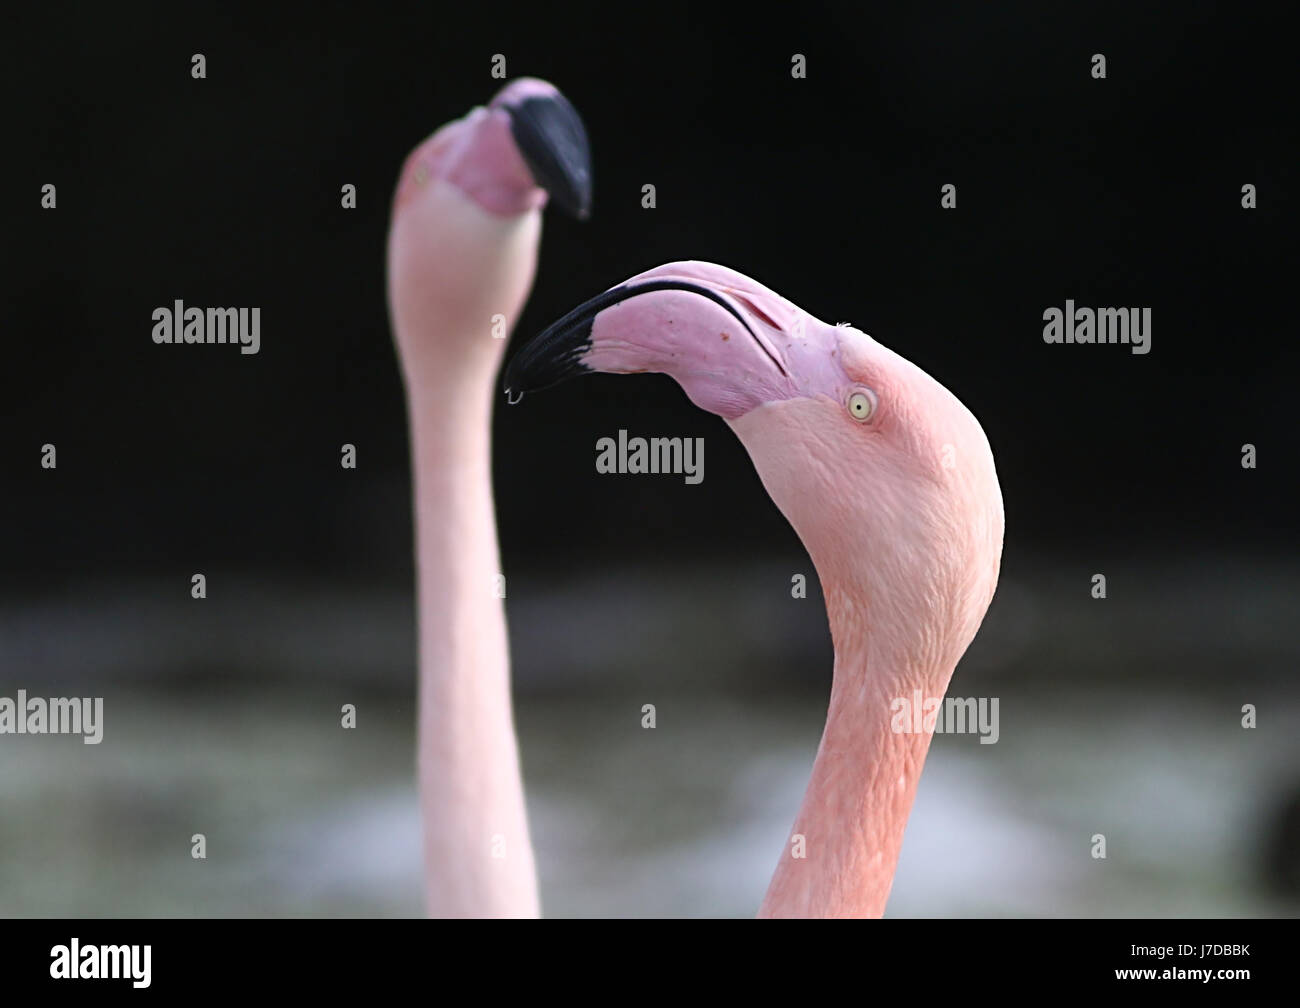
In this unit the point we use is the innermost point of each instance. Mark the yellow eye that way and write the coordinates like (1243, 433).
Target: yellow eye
(862, 405)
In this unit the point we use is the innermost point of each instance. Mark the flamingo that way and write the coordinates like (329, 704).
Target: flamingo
(889, 482)
(462, 252)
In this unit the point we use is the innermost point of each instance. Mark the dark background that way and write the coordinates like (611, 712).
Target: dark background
(226, 191)
(1119, 717)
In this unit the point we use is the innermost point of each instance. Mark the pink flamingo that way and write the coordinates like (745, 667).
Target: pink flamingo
(462, 251)
(889, 482)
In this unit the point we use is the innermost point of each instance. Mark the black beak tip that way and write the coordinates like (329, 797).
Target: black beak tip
(556, 353)
(553, 356)
(553, 143)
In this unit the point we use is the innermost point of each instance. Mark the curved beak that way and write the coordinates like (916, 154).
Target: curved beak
(549, 134)
(720, 335)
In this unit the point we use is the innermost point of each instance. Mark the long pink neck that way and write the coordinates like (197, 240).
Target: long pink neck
(840, 858)
(453, 266)
(477, 848)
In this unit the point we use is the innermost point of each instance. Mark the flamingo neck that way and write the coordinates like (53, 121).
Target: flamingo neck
(476, 845)
(842, 852)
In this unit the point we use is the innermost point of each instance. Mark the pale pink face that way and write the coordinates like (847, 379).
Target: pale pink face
(880, 469)
(734, 345)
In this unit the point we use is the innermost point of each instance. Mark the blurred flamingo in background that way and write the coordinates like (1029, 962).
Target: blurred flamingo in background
(462, 252)
(889, 482)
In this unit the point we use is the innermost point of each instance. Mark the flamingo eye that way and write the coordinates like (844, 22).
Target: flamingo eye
(862, 405)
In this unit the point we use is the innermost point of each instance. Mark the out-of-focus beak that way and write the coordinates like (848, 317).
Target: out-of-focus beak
(550, 137)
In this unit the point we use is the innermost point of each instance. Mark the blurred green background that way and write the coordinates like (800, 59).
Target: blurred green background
(1131, 729)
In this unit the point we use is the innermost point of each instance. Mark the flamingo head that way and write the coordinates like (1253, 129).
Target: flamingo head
(465, 227)
(527, 142)
(887, 478)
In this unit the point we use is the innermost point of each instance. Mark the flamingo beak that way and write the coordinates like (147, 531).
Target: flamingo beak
(722, 337)
(552, 141)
